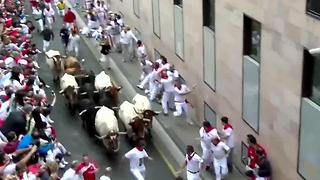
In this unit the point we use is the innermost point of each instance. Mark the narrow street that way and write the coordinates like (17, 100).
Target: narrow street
(74, 137)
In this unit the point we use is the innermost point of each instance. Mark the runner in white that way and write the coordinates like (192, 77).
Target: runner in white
(136, 157)
(194, 164)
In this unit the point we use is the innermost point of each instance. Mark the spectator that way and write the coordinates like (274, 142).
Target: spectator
(86, 169)
(70, 174)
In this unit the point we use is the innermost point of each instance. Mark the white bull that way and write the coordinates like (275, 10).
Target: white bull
(106, 125)
(102, 81)
(126, 114)
(68, 80)
(141, 103)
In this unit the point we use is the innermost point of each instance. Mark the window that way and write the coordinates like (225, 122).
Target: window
(251, 38)
(209, 13)
(177, 2)
(178, 31)
(313, 7)
(209, 114)
(244, 153)
(156, 17)
(209, 60)
(136, 7)
(311, 77)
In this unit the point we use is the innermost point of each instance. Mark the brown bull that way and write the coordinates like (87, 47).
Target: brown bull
(72, 66)
(141, 125)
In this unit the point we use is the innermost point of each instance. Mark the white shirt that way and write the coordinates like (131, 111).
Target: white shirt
(168, 85)
(207, 137)
(48, 13)
(179, 93)
(194, 164)
(37, 13)
(147, 68)
(104, 178)
(219, 151)
(74, 40)
(70, 174)
(165, 66)
(10, 169)
(125, 38)
(228, 132)
(136, 158)
(141, 51)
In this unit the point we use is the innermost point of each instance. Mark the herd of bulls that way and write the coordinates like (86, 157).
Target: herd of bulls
(96, 99)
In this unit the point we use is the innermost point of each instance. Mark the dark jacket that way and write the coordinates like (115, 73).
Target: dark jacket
(47, 34)
(16, 121)
(64, 34)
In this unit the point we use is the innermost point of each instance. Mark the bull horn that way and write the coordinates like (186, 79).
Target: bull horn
(95, 91)
(145, 119)
(98, 107)
(122, 133)
(61, 91)
(107, 89)
(100, 137)
(157, 112)
(77, 87)
(115, 108)
(84, 93)
(82, 112)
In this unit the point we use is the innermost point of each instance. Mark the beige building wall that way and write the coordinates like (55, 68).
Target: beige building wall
(286, 30)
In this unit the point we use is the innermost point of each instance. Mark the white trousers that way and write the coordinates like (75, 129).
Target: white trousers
(167, 100)
(106, 60)
(180, 107)
(220, 167)
(206, 156)
(125, 52)
(191, 176)
(46, 44)
(69, 25)
(138, 173)
(154, 90)
(40, 24)
(61, 12)
(145, 81)
(50, 22)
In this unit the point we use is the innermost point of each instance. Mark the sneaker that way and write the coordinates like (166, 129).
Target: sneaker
(64, 162)
(139, 86)
(61, 165)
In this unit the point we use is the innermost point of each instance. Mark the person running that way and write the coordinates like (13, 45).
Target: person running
(74, 42)
(193, 162)
(136, 157)
(37, 12)
(64, 34)
(47, 35)
(61, 7)
(105, 50)
(69, 18)
(49, 15)
(86, 169)
(107, 174)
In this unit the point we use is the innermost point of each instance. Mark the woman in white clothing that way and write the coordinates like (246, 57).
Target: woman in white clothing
(74, 41)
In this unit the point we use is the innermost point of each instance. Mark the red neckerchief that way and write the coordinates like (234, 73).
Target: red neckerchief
(140, 148)
(191, 156)
(226, 126)
(208, 129)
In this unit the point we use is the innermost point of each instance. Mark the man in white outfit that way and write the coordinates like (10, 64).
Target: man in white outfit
(163, 62)
(74, 42)
(207, 134)
(70, 174)
(194, 164)
(146, 66)
(141, 50)
(136, 157)
(228, 137)
(220, 153)
(37, 12)
(167, 82)
(126, 37)
(181, 91)
(49, 14)
(154, 81)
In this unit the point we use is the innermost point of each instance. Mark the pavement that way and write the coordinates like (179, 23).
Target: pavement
(170, 134)
(75, 138)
